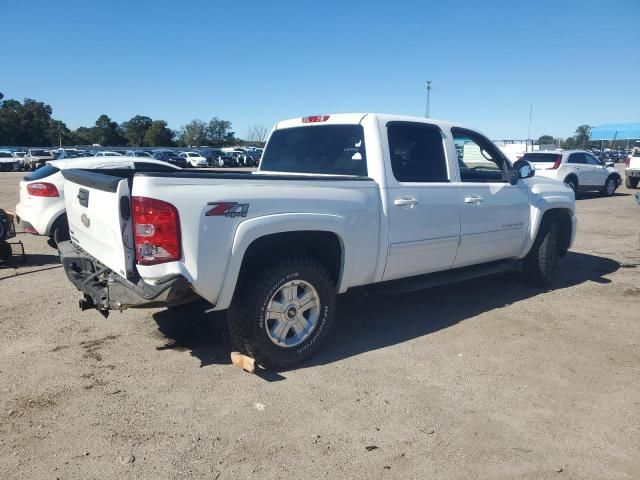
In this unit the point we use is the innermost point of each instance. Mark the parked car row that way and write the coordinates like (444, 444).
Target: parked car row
(33, 158)
(41, 209)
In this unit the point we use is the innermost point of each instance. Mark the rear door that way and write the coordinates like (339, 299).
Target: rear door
(495, 213)
(577, 163)
(423, 204)
(99, 216)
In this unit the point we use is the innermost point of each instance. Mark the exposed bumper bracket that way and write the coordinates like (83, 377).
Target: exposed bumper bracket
(105, 290)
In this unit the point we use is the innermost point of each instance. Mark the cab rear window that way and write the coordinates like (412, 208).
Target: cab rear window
(322, 149)
(42, 172)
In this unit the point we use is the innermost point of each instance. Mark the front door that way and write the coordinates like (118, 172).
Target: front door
(423, 205)
(598, 173)
(495, 213)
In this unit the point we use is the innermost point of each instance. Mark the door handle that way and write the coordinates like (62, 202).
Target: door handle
(473, 199)
(405, 202)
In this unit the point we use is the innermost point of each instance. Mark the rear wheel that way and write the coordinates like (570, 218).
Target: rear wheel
(540, 263)
(283, 314)
(572, 183)
(631, 182)
(59, 231)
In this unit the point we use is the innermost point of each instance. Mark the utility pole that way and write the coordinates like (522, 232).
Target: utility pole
(60, 133)
(428, 110)
(529, 133)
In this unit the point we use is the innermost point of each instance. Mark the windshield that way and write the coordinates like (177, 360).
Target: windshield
(5, 155)
(324, 149)
(540, 157)
(40, 153)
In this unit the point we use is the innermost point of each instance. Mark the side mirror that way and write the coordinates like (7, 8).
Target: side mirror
(524, 169)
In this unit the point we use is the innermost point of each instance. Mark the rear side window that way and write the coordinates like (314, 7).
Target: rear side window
(42, 172)
(417, 153)
(577, 158)
(322, 149)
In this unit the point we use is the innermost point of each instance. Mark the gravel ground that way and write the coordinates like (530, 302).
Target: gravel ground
(489, 379)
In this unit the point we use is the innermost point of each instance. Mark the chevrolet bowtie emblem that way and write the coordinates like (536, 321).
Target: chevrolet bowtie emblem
(85, 220)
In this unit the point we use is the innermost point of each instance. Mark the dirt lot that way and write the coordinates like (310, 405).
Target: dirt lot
(487, 379)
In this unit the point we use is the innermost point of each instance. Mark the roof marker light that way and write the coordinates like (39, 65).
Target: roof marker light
(315, 118)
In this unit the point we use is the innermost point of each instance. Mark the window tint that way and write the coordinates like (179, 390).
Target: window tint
(540, 157)
(478, 158)
(417, 154)
(323, 149)
(592, 160)
(42, 172)
(577, 158)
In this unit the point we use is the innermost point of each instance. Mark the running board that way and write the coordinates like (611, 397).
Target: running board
(436, 279)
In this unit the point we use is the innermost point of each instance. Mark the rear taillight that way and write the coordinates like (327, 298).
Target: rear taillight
(156, 231)
(556, 164)
(315, 118)
(42, 189)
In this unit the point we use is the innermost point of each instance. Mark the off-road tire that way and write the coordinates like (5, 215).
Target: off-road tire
(540, 263)
(246, 315)
(631, 182)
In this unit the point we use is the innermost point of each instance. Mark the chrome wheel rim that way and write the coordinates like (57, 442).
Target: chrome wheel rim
(292, 314)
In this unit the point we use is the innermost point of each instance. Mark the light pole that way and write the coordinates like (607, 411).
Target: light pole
(428, 109)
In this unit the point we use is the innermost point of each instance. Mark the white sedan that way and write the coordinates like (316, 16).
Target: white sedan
(41, 209)
(194, 159)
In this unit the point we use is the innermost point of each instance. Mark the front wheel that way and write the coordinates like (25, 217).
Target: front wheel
(610, 187)
(540, 263)
(283, 314)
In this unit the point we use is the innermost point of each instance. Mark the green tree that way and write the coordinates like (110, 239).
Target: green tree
(583, 132)
(569, 143)
(107, 132)
(135, 129)
(194, 133)
(35, 124)
(545, 140)
(219, 132)
(158, 134)
(83, 136)
(10, 122)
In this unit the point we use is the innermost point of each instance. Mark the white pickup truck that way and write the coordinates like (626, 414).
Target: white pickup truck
(340, 201)
(632, 169)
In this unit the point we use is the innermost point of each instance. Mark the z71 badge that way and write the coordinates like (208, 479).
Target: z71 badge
(227, 209)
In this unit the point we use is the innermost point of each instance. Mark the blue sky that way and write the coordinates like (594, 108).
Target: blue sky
(254, 62)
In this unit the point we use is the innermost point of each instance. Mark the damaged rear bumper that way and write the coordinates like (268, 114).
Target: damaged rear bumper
(105, 290)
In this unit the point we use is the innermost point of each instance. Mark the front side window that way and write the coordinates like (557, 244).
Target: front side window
(478, 158)
(592, 160)
(320, 149)
(417, 152)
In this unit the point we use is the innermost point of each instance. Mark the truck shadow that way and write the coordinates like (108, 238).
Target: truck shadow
(595, 195)
(370, 322)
